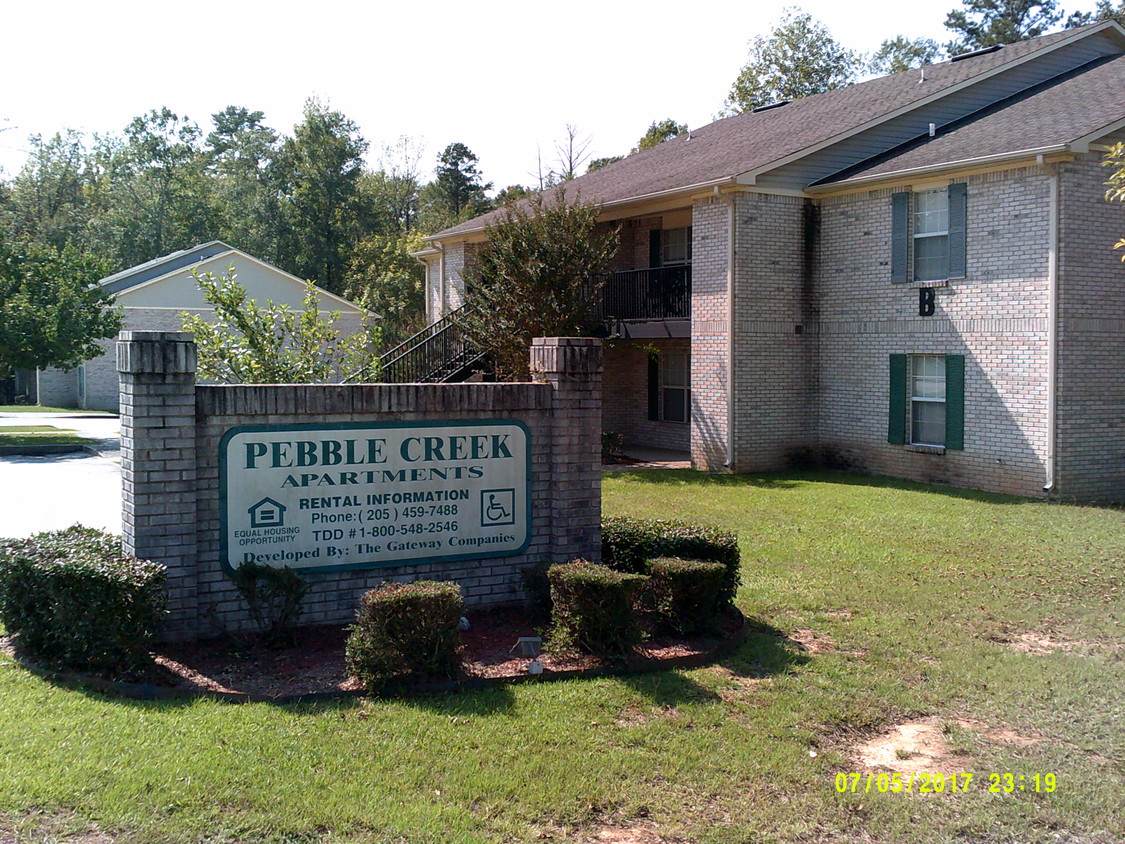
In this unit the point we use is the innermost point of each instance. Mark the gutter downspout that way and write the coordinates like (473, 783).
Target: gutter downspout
(441, 282)
(1052, 323)
(731, 220)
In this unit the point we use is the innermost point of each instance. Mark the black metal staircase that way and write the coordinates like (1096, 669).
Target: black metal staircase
(440, 352)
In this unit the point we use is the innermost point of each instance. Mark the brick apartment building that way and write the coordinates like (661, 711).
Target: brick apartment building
(913, 276)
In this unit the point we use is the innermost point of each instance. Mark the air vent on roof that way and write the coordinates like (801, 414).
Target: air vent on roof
(975, 53)
(768, 106)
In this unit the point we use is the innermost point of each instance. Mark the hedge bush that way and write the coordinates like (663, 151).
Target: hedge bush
(273, 596)
(592, 607)
(405, 629)
(76, 601)
(686, 593)
(628, 544)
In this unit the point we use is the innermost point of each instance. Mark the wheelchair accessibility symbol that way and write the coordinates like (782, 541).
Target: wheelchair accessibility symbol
(497, 507)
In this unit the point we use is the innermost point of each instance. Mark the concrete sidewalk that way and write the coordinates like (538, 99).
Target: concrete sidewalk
(48, 493)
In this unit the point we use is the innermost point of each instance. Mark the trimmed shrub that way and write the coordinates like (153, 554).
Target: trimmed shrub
(273, 596)
(76, 601)
(686, 593)
(628, 544)
(592, 607)
(405, 629)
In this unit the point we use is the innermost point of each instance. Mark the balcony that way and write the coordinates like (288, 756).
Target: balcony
(653, 302)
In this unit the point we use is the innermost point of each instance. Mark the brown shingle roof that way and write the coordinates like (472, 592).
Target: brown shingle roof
(1058, 112)
(729, 147)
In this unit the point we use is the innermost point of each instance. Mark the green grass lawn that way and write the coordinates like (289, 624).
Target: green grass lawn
(39, 435)
(908, 599)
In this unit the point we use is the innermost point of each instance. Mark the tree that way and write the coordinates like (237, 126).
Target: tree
(901, 53)
(150, 190)
(48, 203)
(1104, 11)
(987, 23)
(798, 58)
(599, 163)
(659, 132)
(1115, 158)
(320, 169)
(392, 191)
(572, 154)
(540, 275)
(386, 280)
(52, 311)
(458, 193)
(514, 193)
(248, 343)
(241, 155)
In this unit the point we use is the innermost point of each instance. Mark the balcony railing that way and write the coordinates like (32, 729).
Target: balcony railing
(657, 293)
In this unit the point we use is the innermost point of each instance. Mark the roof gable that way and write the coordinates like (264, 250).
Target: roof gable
(162, 266)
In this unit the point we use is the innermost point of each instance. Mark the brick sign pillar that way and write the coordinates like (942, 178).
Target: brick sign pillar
(573, 368)
(158, 459)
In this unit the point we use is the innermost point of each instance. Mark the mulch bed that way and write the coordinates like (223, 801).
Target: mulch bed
(240, 667)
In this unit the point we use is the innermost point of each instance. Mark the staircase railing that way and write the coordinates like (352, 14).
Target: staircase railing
(437, 352)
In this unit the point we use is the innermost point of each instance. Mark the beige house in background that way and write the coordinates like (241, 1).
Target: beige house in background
(155, 295)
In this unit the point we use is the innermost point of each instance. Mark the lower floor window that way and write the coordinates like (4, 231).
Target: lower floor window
(927, 399)
(669, 387)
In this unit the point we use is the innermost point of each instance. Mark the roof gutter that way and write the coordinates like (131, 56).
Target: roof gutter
(614, 203)
(934, 169)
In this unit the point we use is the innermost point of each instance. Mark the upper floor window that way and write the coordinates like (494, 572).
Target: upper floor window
(928, 234)
(675, 247)
(931, 235)
(669, 247)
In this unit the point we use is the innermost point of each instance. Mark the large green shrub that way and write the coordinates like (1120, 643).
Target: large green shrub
(77, 601)
(405, 629)
(686, 593)
(628, 544)
(273, 596)
(592, 607)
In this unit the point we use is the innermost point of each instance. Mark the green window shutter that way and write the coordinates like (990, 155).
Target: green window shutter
(955, 402)
(958, 209)
(654, 247)
(896, 407)
(900, 236)
(654, 388)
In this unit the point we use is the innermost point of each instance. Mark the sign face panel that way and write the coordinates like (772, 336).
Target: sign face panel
(351, 496)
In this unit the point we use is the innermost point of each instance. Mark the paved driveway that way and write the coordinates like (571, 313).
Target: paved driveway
(47, 493)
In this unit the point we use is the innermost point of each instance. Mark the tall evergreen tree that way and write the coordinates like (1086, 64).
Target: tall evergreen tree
(320, 168)
(458, 193)
(241, 159)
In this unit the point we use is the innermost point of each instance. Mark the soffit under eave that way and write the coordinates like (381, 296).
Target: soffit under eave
(951, 172)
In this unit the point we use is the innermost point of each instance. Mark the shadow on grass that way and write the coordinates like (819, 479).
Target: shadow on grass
(765, 652)
(800, 480)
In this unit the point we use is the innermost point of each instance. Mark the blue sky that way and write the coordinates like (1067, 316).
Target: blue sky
(505, 78)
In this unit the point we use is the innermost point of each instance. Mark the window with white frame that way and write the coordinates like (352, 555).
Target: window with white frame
(931, 235)
(926, 386)
(675, 391)
(675, 246)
